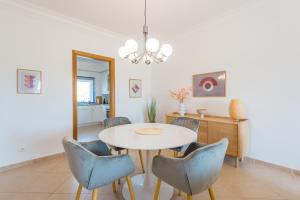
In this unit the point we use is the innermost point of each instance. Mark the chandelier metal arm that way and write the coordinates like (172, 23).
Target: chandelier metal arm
(148, 55)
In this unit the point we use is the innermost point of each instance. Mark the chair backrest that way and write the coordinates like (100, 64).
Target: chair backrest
(81, 161)
(189, 123)
(203, 166)
(116, 121)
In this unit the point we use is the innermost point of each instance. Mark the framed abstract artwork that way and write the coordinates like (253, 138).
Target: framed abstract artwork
(29, 81)
(135, 88)
(210, 84)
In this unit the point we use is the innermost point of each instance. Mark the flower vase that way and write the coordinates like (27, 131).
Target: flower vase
(182, 109)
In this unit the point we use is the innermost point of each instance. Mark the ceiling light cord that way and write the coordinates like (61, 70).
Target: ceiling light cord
(145, 27)
(145, 12)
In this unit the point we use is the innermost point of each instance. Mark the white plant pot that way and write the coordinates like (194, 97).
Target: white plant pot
(182, 109)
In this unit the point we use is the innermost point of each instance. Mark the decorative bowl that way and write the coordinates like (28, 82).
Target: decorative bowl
(201, 112)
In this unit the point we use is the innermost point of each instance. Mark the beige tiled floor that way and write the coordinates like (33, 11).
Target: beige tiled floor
(89, 133)
(51, 179)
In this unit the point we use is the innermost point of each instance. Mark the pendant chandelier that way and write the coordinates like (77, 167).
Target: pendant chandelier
(150, 50)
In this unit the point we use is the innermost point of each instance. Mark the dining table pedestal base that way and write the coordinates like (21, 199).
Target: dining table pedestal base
(145, 191)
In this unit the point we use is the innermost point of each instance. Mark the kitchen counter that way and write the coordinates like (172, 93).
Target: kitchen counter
(92, 104)
(89, 114)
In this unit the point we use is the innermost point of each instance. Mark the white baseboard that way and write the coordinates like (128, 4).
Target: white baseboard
(286, 169)
(28, 162)
(90, 124)
(247, 160)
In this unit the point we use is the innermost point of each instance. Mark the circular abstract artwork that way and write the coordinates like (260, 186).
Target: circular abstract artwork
(209, 85)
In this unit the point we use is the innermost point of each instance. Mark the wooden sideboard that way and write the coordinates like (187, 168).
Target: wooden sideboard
(214, 128)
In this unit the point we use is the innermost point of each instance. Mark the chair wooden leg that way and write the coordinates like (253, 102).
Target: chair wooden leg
(159, 152)
(175, 154)
(189, 197)
(95, 194)
(114, 188)
(141, 160)
(78, 193)
(157, 189)
(130, 187)
(119, 181)
(127, 151)
(179, 192)
(211, 193)
(237, 162)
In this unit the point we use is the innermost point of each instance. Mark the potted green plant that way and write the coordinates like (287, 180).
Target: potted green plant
(151, 111)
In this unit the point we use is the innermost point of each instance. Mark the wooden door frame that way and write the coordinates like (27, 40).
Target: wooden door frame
(111, 62)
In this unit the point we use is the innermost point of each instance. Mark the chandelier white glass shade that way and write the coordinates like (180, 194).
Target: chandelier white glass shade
(151, 50)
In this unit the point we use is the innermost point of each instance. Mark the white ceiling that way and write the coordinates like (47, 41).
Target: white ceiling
(92, 65)
(165, 17)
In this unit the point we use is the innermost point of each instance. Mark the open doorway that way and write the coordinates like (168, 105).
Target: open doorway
(93, 93)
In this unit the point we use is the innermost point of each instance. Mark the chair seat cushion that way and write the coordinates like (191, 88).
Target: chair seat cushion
(97, 147)
(178, 149)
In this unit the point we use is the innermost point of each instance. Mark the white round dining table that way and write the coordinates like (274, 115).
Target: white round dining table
(125, 136)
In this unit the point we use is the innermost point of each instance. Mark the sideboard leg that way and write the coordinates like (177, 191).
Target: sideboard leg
(237, 162)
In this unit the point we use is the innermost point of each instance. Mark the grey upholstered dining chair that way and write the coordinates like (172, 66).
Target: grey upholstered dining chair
(189, 123)
(93, 166)
(196, 171)
(116, 121)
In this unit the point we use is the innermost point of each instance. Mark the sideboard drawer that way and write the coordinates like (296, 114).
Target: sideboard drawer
(218, 131)
(203, 123)
(202, 138)
(214, 128)
(170, 119)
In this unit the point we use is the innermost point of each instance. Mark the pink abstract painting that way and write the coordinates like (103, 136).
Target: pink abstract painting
(135, 88)
(29, 81)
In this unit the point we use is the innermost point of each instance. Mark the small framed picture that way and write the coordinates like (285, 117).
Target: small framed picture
(135, 88)
(210, 84)
(29, 81)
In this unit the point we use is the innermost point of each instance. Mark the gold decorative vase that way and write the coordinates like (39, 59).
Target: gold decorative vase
(236, 109)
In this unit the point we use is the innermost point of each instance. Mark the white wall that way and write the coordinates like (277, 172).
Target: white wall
(259, 47)
(29, 39)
